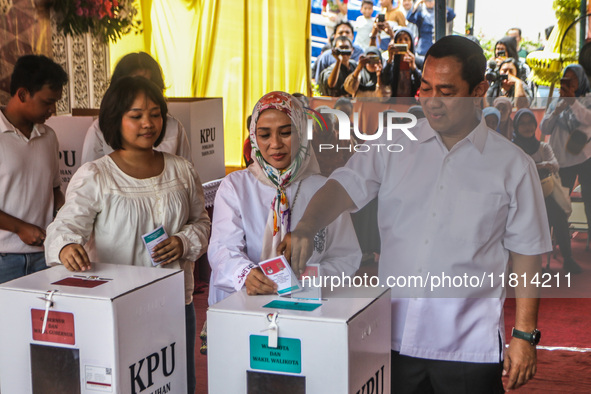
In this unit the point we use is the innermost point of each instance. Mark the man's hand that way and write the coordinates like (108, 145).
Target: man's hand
(257, 283)
(168, 251)
(520, 363)
(74, 258)
(336, 55)
(31, 234)
(297, 247)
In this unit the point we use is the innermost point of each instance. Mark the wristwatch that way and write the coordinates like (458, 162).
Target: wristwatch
(532, 337)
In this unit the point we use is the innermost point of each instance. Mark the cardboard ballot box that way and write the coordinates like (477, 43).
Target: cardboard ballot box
(340, 344)
(121, 331)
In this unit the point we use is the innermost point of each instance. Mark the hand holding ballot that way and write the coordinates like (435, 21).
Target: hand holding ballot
(257, 283)
(168, 251)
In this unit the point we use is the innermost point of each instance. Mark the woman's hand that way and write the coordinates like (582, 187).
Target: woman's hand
(168, 251)
(257, 283)
(74, 258)
(409, 58)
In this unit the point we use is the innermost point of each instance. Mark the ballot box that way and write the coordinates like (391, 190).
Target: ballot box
(113, 329)
(272, 344)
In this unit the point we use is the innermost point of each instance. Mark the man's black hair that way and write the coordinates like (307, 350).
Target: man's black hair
(118, 100)
(344, 23)
(465, 51)
(32, 72)
(138, 61)
(515, 28)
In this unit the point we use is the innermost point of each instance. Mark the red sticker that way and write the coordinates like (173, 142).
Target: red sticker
(59, 328)
(273, 266)
(80, 282)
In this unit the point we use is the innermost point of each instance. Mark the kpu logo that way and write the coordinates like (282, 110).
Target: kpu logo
(344, 126)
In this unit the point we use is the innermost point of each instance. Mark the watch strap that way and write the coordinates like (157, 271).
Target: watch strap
(532, 337)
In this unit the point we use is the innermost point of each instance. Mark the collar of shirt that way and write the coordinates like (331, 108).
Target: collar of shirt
(7, 127)
(477, 137)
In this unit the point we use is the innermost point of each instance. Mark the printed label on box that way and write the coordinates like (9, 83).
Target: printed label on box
(286, 357)
(60, 327)
(98, 378)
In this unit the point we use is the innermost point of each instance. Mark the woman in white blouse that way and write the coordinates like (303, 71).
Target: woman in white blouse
(175, 140)
(256, 207)
(111, 202)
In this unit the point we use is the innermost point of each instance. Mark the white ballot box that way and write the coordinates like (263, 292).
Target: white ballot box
(113, 329)
(271, 344)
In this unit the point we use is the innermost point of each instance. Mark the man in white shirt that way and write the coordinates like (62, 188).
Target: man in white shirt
(29, 165)
(448, 207)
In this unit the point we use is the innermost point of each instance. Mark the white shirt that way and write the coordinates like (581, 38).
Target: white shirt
(108, 211)
(175, 141)
(559, 136)
(242, 205)
(29, 171)
(363, 27)
(453, 212)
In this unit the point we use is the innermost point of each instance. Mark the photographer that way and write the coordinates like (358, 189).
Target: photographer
(365, 80)
(506, 83)
(506, 48)
(401, 73)
(333, 78)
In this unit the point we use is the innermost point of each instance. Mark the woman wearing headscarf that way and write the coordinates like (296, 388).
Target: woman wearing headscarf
(525, 125)
(492, 117)
(504, 105)
(256, 207)
(401, 72)
(568, 122)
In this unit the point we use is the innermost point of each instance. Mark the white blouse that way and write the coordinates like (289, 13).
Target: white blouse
(108, 211)
(175, 141)
(242, 205)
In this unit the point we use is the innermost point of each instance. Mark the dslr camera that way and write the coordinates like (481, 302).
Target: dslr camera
(344, 52)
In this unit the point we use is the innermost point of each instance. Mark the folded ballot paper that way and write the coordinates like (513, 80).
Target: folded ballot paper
(152, 239)
(279, 271)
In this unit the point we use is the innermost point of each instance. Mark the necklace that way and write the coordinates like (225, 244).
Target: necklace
(296, 194)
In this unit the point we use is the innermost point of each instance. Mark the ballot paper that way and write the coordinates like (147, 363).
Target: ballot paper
(279, 271)
(152, 239)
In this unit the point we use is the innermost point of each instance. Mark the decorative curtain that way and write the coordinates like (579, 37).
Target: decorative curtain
(234, 49)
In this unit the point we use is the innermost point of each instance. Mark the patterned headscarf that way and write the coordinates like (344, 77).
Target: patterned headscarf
(303, 164)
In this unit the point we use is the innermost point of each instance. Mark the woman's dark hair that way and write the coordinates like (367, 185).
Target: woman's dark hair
(32, 72)
(514, 62)
(118, 100)
(137, 61)
(465, 51)
(510, 44)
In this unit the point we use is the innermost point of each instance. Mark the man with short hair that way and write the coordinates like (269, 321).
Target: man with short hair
(327, 58)
(333, 78)
(29, 165)
(457, 202)
(516, 32)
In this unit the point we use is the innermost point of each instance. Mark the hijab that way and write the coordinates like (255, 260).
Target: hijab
(510, 47)
(567, 119)
(402, 77)
(492, 111)
(302, 165)
(579, 71)
(529, 145)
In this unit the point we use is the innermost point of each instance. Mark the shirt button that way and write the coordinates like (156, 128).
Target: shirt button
(440, 187)
(426, 241)
(434, 214)
(420, 270)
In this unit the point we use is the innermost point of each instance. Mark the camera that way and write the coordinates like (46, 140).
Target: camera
(502, 53)
(400, 48)
(372, 59)
(344, 52)
(381, 18)
(493, 74)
